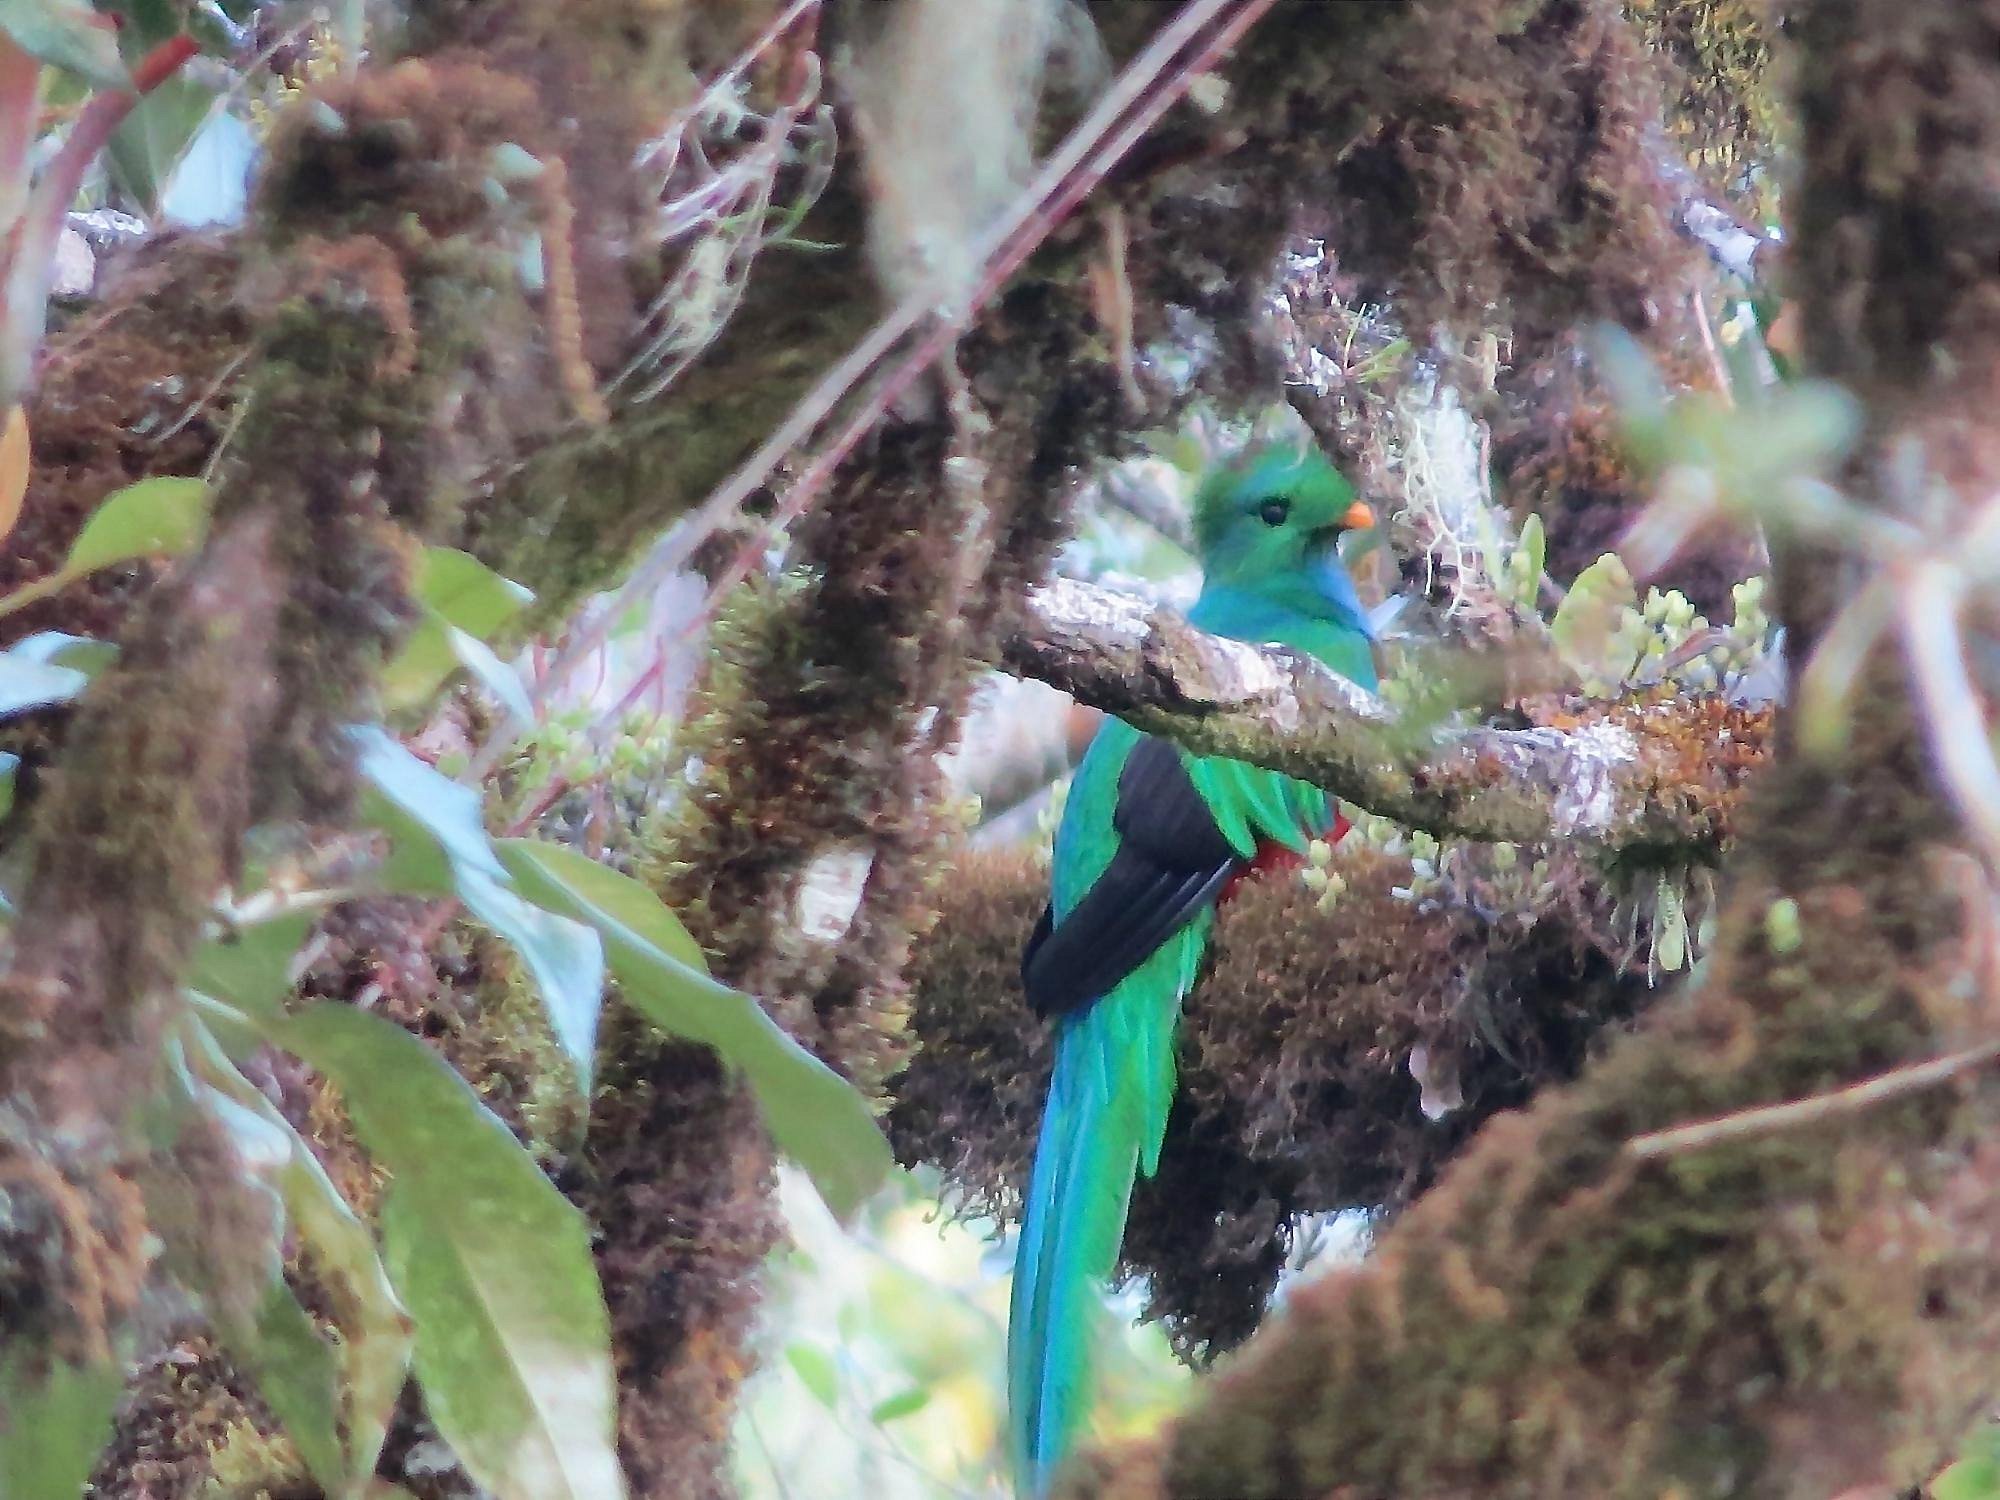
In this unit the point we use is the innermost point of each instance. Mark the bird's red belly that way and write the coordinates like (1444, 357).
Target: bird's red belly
(1272, 857)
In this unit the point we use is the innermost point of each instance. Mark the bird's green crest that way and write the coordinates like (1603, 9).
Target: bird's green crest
(1274, 509)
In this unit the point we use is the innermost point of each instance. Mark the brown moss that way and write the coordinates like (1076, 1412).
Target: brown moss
(184, 1408)
(1559, 453)
(832, 695)
(141, 385)
(679, 1183)
(1898, 231)
(1474, 156)
(1296, 1095)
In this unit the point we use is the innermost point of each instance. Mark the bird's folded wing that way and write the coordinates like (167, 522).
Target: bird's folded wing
(1171, 860)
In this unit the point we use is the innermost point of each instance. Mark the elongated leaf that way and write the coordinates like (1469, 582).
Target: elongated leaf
(162, 517)
(442, 848)
(297, 1375)
(491, 673)
(9, 764)
(151, 141)
(564, 958)
(467, 593)
(375, 1331)
(614, 903)
(458, 593)
(69, 34)
(413, 676)
(1969, 1479)
(252, 969)
(57, 1421)
(1976, 1476)
(28, 684)
(55, 648)
(816, 1371)
(909, 1403)
(513, 1343)
(815, 1116)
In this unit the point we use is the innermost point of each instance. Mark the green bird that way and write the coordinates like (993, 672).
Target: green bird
(1151, 839)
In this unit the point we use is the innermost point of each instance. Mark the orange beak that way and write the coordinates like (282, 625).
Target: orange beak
(1360, 515)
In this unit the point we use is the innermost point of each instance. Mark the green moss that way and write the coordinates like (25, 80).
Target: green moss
(1727, 111)
(251, 1463)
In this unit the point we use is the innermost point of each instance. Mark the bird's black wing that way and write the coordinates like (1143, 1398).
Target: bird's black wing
(1171, 862)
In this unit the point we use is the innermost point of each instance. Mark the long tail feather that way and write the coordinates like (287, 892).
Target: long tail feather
(1106, 1114)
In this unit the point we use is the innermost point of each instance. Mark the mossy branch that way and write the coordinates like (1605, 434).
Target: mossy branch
(1661, 776)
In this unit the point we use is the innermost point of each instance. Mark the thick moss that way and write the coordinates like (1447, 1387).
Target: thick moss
(1296, 1092)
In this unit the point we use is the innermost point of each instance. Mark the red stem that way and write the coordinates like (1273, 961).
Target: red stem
(20, 88)
(105, 112)
(27, 262)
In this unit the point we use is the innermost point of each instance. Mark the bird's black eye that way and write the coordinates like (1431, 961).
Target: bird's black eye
(1274, 512)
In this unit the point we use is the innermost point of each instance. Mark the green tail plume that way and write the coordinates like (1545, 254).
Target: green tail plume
(1106, 1113)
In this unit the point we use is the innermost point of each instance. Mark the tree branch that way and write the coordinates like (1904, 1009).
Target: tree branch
(1736, 249)
(1616, 775)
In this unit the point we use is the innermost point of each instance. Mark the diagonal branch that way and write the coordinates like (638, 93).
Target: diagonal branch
(1661, 774)
(1740, 251)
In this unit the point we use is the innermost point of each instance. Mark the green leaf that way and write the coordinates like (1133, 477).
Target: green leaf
(69, 34)
(414, 674)
(1639, 393)
(162, 517)
(491, 673)
(909, 1403)
(815, 1116)
(442, 848)
(9, 764)
(465, 592)
(619, 907)
(1976, 1476)
(816, 1371)
(375, 1331)
(57, 649)
(47, 668)
(1968, 1479)
(296, 1373)
(151, 141)
(1535, 547)
(513, 1344)
(459, 594)
(1586, 625)
(252, 967)
(58, 1420)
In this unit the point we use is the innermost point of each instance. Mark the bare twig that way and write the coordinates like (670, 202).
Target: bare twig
(27, 257)
(1739, 251)
(1616, 779)
(1748, 1124)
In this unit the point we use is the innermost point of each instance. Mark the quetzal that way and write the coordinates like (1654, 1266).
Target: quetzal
(1150, 838)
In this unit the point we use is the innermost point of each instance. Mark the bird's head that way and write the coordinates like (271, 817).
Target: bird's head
(1271, 521)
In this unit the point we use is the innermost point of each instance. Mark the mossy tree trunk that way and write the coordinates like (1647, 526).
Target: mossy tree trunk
(1797, 1311)
(400, 388)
